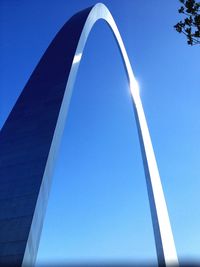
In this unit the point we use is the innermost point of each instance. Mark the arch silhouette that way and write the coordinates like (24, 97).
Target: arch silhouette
(30, 137)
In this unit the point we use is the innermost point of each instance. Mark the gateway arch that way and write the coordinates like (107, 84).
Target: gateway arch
(31, 135)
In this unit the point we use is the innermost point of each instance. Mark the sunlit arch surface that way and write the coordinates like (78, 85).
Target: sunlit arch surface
(55, 76)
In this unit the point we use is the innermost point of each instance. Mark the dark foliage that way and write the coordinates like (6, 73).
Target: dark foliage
(190, 25)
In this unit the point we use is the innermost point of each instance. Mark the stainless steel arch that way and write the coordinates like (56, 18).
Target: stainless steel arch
(165, 246)
(79, 27)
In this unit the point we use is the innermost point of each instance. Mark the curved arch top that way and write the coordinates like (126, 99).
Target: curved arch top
(34, 129)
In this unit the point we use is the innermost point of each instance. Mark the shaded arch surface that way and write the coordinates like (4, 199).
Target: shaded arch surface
(30, 138)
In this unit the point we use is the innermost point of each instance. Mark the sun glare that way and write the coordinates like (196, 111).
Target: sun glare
(134, 87)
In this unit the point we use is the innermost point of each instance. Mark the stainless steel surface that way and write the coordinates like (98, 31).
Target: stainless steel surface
(57, 68)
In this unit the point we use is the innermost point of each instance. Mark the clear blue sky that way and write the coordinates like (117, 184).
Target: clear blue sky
(98, 207)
